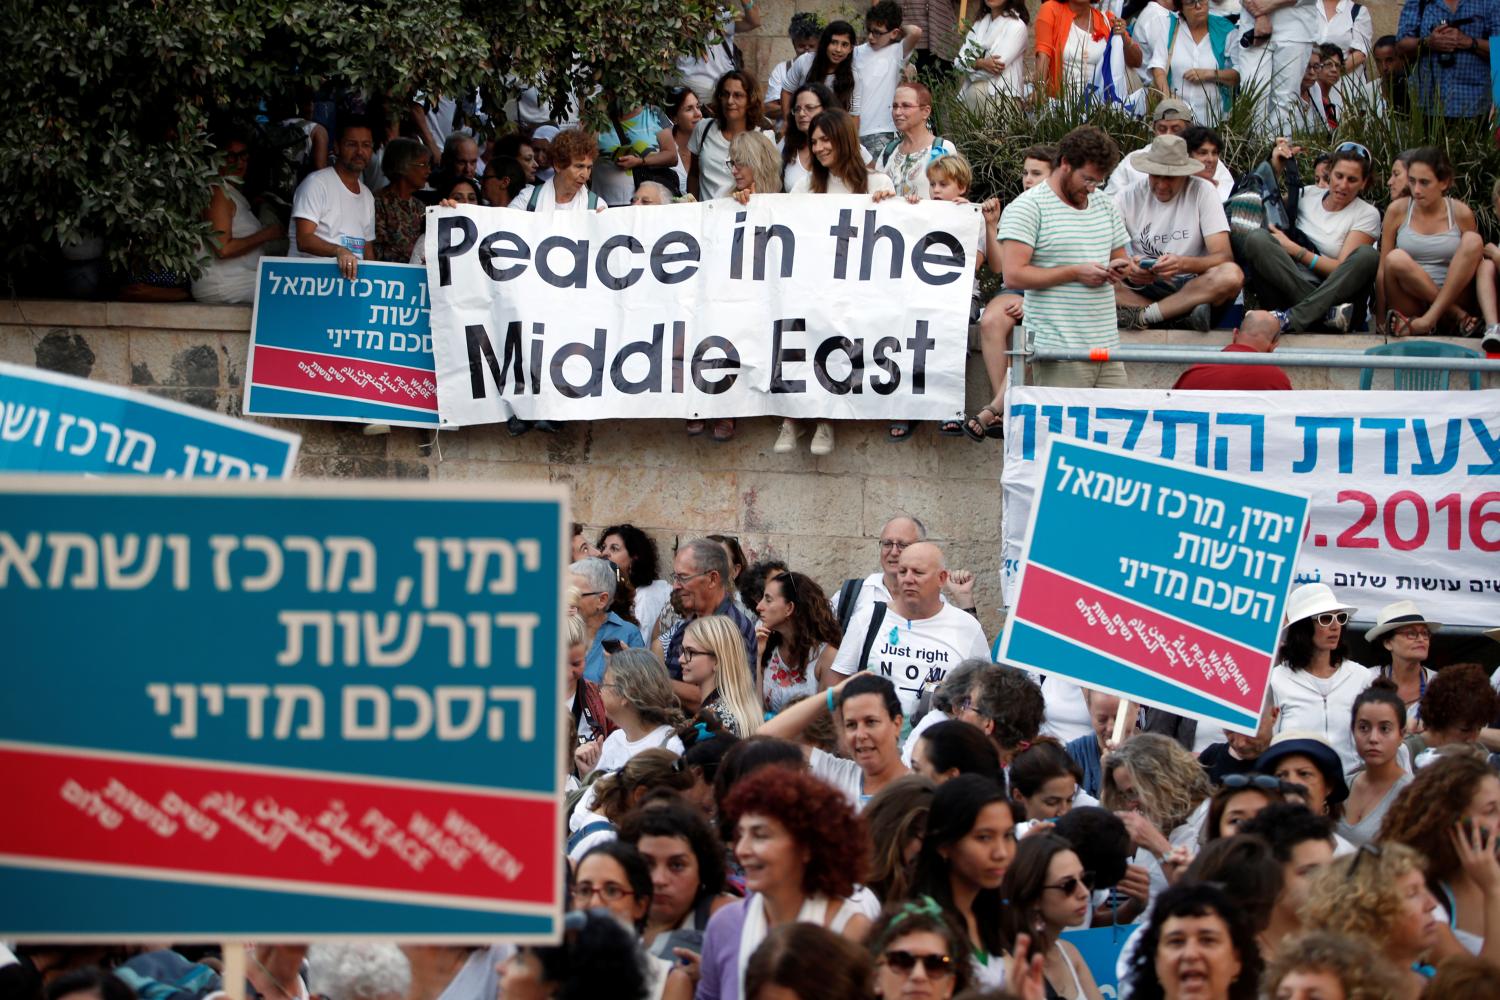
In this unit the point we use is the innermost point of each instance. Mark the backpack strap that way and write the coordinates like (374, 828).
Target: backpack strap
(877, 618)
(848, 594)
(536, 196)
(593, 200)
(586, 831)
(890, 147)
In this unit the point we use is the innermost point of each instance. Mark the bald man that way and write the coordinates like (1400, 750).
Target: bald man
(1257, 334)
(916, 637)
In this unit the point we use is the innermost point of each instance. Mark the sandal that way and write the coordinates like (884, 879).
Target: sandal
(1397, 324)
(694, 428)
(723, 430)
(951, 428)
(977, 429)
(1470, 326)
(899, 430)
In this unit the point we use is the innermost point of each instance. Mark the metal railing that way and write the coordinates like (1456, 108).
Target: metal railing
(1325, 357)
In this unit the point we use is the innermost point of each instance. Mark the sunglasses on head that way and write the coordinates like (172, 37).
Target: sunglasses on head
(934, 965)
(1353, 147)
(1265, 782)
(1328, 618)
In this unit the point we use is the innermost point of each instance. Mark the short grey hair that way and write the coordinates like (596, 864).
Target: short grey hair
(709, 557)
(359, 970)
(455, 140)
(921, 528)
(658, 186)
(600, 573)
(954, 688)
(400, 153)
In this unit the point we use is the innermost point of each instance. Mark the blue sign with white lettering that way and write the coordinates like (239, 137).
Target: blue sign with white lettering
(1156, 581)
(58, 423)
(281, 709)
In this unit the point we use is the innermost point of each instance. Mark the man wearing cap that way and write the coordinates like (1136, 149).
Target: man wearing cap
(1258, 333)
(1171, 117)
(1181, 263)
(1406, 634)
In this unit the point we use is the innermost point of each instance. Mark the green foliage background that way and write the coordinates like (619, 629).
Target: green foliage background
(108, 100)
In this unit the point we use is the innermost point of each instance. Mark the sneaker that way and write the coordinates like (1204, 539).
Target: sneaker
(786, 441)
(1490, 342)
(1201, 318)
(1340, 318)
(1284, 318)
(1130, 317)
(822, 441)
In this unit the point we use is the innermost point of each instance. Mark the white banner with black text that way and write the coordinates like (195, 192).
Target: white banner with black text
(817, 306)
(1405, 488)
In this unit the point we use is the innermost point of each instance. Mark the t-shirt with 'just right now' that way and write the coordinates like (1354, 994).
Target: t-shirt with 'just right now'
(1070, 314)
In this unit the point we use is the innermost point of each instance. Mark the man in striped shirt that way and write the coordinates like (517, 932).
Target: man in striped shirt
(1063, 243)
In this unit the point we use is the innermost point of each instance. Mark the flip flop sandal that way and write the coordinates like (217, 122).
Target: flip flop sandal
(1397, 324)
(951, 428)
(723, 430)
(694, 428)
(1471, 326)
(899, 430)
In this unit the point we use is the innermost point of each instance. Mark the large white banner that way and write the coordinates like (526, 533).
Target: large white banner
(795, 305)
(1405, 487)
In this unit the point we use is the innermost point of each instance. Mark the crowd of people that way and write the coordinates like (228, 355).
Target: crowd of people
(1165, 236)
(785, 790)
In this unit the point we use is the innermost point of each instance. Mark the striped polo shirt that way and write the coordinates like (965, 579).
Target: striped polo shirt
(1071, 314)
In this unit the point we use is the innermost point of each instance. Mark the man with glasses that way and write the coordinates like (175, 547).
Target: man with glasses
(918, 637)
(896, 536)
(596, 580)
(700, 570)
(1063, 244)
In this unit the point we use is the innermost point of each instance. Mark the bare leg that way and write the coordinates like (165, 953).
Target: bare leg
(1219, 284)
(1460, 273)
(995, 326)
(1409, 290)
(1484, 287)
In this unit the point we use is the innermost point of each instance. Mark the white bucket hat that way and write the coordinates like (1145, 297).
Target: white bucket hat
(1167, 156)
(1313, 599)
(1395, 616)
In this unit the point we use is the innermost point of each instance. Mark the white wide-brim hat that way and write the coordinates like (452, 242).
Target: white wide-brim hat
(1313, 599)
(1398, 615)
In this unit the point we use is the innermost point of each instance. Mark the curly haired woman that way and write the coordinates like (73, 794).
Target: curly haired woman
(1451, 813)
(1332, 966)
(1380, 894)
(803, 849)
(1155, 786)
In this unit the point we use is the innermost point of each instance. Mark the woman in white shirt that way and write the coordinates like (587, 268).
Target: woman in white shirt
(735, 108)
(994, 53)
(1314, 683)
(231, 267)
(634, 553)
(808, 101)
(638, 697)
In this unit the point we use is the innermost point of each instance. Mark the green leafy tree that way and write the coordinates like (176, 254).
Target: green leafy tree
(108, 101)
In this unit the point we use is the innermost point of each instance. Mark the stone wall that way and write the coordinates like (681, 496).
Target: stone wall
(822, 515)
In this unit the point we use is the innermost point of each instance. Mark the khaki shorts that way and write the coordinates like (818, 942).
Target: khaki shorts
(1080, 374)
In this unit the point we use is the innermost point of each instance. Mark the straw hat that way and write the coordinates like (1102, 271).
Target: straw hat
(1394, 616)
(1313, 599)
(1167, 156)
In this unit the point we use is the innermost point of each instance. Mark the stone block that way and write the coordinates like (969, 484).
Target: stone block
(950, 508)
(177, 316)
(863, 448)
(464, 470)
(832, 559)
(16, 345)
(689, 503)
(176, 359)
(329, 439)
(800, 504)
(53, 312)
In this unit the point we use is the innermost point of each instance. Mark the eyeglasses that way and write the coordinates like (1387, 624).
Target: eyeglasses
(1415, 632)
(890, 546)
(904, 962)
(1265, 782)
(907, 107)
(590, 593)
(1070, 885)
(731, 164)
(1352, 147)
(1194, 3)
(689, 654)
(1089, 182)
(1330, 617)
(678, 579)
(583, 892)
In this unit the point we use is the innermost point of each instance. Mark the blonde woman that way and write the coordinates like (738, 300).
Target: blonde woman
(1155, 786)
(713, 658)
(1380, 893)
(755, 164)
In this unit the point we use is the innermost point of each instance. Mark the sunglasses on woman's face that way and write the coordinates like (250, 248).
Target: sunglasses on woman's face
(1328, 618)
(934, 965)
(1070, 885)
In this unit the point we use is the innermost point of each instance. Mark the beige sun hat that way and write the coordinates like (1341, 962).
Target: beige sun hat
(1394, 616)
(1167, 156)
